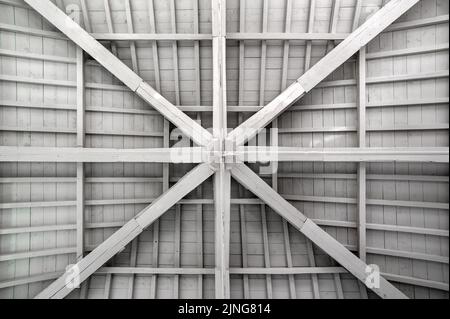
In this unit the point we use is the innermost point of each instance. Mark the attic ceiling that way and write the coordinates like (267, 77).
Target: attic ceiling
(363, 153)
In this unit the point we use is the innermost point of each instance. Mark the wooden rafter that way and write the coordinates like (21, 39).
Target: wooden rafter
(116, 242)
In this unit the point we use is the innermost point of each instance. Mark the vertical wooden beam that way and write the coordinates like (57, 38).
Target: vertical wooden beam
(357, 15)
(133, 260)
(197, 55)
(241, 58)
(330, 45)
(173, 24)
(362, 98)
(134, 62)
(287, 245)
(199, 227)
(240, 120)
(309, 246)
(222, 190)
(222, 178)
(80, 98)
(266, 250)
(244, 245)
(338, 284)
(312, 263)
(362, 165)
(134, 59)
(86, 19)
(262, 91)
(107, 291)
(262, 71)
(176, 253)
(110, 24)
(361, 170)
(80, 165)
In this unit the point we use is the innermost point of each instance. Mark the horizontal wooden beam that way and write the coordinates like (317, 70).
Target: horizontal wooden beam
(287, 270)
(116, 242)
(281, 175)
(101, 155)
(151, 36)
(232, 108)
(320, 222)
(293, 154)
(322, 239)
(155, 271)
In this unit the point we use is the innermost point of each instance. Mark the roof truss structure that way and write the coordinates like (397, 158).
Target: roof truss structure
(219, 153)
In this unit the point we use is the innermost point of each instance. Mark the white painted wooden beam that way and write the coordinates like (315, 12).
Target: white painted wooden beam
(222, 190)
(80, 144)
(78, 35)
(101, 155)
(322, 239)
(222, 178)
(293, 154)
(116, 242)
(209, 271)
(320, 71)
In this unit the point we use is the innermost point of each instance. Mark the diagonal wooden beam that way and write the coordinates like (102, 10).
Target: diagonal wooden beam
(222, 179)
(352, 44)
(101, 155)
(317, 235)
(117, 241)
(111, 63)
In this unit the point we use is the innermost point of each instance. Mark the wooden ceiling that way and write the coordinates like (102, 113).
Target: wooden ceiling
(401, 78)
